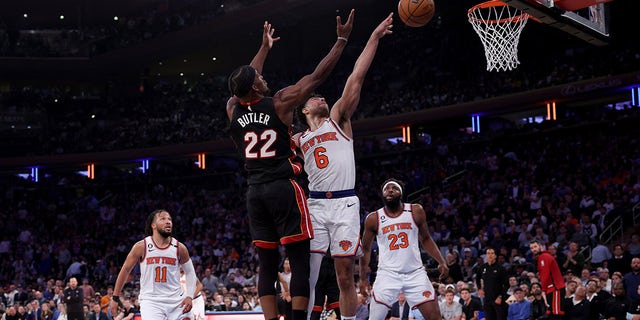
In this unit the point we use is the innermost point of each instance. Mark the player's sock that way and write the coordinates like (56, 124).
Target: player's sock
(348, 318)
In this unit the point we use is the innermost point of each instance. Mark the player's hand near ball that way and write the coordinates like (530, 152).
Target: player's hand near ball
(344, 30)
(267, 36)
(384, 28)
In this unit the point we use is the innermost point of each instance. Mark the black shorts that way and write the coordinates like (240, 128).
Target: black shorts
(278, 213)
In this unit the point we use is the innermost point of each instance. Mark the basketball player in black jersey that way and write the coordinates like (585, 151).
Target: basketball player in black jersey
(261, 129)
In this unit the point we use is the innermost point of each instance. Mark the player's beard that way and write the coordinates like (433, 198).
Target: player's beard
(393, 203)
(324, 112)
(164, 233)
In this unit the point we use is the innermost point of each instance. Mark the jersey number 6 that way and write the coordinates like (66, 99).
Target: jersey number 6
(322, 161)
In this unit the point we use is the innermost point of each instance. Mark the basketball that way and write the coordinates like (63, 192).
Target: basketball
(416, 13)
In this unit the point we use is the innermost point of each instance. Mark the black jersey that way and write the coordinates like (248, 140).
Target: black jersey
(264, 142)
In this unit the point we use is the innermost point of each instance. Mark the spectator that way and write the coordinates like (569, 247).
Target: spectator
(87, 289)
(538, 304)
(521, 308)
(621, 260)
(605, 281)
(450, 309)
(575, 259)
(471, 306)
(579, 308)
(97, 313)
(599, 254)
(596, 297)
(35, 312)
(631, 280)
(634, 246)
(210, 281)
(618, 306)
(399, 309)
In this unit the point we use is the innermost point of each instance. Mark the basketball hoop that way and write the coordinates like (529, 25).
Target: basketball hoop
(499, 27)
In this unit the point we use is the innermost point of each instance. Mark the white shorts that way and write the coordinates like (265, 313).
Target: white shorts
(198, 308)
(416, 286)
(336, 225)
(162, 310)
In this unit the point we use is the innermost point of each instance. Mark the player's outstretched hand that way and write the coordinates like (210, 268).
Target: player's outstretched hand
(384, 28)
(267, 35)
(344, 30)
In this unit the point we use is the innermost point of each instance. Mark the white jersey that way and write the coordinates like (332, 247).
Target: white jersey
(398, 241)
(160, 272)
(328, 158)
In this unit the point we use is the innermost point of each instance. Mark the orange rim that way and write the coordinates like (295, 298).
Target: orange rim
(497, 3)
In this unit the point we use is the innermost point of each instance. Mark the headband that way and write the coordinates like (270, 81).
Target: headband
(393, 183)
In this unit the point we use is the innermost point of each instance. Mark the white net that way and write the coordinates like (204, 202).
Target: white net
(499, 27)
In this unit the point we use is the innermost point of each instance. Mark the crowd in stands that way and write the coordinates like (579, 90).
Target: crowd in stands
(561, 186)
(22, 39)
(173, 112)
(434, 72)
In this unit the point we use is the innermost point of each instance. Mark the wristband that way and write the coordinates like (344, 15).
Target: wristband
(343, 38)
(116, 299)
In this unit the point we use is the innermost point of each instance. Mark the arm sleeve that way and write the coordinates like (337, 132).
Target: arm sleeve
(190, 277)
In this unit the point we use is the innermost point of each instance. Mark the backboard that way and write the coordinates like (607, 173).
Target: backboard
(584, 19)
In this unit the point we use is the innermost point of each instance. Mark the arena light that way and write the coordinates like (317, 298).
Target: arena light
(551, 110)
(635, 96)
(406, 134)
(202, 161)
(91, 174)
(34, 174)
(475, 123)
(144, 166)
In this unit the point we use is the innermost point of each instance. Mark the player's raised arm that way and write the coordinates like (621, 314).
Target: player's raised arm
(267, 43)
(258, 61)
(348, 102)
(287, 99)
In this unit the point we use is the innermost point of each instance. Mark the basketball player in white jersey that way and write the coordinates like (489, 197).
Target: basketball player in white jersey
(399, 228)
(160, 257)
(329, 162)
(197, 308)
